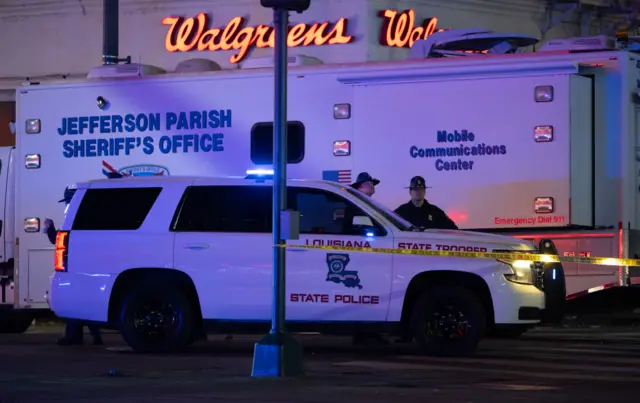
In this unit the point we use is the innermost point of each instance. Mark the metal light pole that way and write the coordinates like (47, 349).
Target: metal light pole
(279, 354)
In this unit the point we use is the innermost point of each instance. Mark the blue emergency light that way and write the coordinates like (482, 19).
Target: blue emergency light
(263, 174)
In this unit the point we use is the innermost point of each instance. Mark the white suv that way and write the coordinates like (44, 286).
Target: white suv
(166, 259)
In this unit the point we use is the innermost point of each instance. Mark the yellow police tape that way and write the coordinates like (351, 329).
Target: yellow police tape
(531, 257)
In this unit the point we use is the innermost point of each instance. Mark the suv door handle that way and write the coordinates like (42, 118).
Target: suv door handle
(196, 246)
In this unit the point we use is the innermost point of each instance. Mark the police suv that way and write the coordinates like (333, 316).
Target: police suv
(166, 259)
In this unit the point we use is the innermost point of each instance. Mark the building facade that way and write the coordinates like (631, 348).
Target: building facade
(43, 42)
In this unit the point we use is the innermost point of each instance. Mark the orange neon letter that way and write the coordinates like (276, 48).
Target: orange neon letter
(183, 36)
(399, 30)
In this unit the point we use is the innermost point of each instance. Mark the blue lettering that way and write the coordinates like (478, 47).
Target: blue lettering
(165, 144)
(116, 124)
(147, 143)
(129, 123)
(455, 137)
(62, 130)
(172, 118)
(195, 120)
(83, 122)
(182, 121)
(130, 144)
(458, 165)
(67, 148)
(118, 145)
(90, 145)
(109, 124)
(176, 143)
(187, 142)
(205, 142)
(104, 124)
(72, 126)
(103, 148)
(217, 141)
(442, 163)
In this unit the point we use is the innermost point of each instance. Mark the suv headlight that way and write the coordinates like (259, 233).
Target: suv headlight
(521, 271)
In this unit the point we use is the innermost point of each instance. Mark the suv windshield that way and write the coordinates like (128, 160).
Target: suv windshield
(395, 219)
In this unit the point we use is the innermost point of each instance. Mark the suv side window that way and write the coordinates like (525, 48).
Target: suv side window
(323, 212)
(225, 209)
(115, 208)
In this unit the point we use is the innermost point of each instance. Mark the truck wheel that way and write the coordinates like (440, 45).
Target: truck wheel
(15, 322)
(508, 332)
(448, 321)
(158, 320)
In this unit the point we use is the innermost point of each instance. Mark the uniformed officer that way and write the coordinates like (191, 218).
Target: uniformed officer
(419, 212)
(366, 184)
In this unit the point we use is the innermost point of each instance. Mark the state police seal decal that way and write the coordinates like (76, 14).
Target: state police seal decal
(337, 264)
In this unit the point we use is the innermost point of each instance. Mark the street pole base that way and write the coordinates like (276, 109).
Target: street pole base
(277, 355)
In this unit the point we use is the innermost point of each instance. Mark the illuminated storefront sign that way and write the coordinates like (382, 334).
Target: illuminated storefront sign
(194, 34)
(399, 29)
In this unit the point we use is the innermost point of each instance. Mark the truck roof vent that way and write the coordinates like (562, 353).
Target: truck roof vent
(586, 43)
(469, 42)
(197, 66)
(268, 62)
(124, 70)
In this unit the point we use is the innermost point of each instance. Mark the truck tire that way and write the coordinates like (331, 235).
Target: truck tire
(448, 322)
(156, 320)
(15, 322)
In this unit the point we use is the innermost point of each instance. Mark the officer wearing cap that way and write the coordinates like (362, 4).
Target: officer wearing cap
(419, 212)
(365, 183)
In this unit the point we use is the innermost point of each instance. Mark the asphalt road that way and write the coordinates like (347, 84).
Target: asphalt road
(588, 365)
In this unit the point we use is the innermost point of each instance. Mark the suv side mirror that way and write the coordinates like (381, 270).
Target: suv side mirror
(362, 221)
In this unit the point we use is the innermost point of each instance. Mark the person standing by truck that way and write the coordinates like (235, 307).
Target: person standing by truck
(73, 330)
(366, 184)
(419, 212)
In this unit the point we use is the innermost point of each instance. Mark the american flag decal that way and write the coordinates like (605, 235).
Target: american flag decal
(340, 176)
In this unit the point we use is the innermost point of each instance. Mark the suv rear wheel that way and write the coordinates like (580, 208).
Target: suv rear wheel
(448, 321)
(157, 320)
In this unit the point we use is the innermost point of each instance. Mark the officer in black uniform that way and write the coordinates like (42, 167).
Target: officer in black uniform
(419, 212)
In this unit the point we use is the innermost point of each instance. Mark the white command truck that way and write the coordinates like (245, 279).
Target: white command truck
(540, 142)
(164, 259)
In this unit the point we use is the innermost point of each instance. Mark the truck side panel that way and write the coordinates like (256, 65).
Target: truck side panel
(177, 126)
(473, 141)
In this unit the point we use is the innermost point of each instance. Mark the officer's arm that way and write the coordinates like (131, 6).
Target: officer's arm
(448, 222)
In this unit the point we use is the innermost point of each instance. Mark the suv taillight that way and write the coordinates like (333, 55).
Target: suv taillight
(61, 253)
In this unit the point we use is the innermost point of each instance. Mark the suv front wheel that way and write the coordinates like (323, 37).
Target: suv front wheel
(448, 321)
(156, 320)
